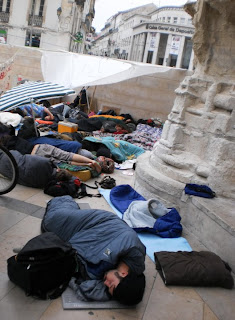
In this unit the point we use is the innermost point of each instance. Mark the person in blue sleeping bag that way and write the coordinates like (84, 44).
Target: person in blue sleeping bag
(111, 258)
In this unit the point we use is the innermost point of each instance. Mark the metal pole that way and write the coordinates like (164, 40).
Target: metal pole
(33, 115)
(32, 23)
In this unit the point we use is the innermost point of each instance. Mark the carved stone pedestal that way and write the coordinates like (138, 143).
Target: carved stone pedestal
(197, 144)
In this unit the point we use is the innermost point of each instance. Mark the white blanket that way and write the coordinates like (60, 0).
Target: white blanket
(9, 118)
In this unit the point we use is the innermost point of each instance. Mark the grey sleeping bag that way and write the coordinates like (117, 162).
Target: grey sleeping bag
(34, 171)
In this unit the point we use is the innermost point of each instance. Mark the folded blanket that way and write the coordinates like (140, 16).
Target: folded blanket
(193, 268)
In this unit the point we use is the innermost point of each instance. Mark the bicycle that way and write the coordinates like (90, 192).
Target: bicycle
(9, 172)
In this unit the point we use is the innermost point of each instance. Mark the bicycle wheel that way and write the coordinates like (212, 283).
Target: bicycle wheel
(8, 171)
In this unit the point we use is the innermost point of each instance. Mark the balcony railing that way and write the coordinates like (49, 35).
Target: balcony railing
(4, 17)
(36, 21)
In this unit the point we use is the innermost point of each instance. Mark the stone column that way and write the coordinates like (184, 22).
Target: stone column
(166, 61)
(146, 49)
(180, 54)
(197, 144)
(156, 48)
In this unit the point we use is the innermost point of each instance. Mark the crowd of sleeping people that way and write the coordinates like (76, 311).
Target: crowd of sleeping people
(120, 278)
(37, 163)
(38, 156)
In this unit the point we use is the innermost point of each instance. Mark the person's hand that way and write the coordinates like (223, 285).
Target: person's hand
(95, 165)
(49, 118)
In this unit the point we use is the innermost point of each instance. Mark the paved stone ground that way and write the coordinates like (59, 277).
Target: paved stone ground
(21, 211)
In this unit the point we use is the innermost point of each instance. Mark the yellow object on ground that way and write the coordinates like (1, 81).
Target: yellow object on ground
(107, 116)
(83, 175)
(64, 126)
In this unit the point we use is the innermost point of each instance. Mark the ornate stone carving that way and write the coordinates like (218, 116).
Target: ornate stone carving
(197, 144)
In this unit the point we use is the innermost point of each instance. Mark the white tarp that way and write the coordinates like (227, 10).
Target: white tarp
(75, 70)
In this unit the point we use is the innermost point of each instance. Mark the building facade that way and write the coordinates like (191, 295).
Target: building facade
(161, 36)
(115, 38)
(53, 25)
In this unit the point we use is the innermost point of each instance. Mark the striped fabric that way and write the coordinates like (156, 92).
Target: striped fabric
(22, 94)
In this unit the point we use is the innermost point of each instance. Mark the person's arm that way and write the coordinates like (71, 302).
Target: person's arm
(50, 115)
(84, 161)
(135, 260)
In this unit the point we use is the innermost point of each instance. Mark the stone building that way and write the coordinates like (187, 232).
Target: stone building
(164, 40)
(53, 25)
(115, 38)
(155, 35)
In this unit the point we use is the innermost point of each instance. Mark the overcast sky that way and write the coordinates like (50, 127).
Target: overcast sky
(104, 9)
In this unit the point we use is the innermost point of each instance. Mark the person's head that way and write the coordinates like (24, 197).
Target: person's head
(46, 103)
(127, 288)
(21, 112)
(63, 175)
(121, 126)
(118, 127)
(4, 139)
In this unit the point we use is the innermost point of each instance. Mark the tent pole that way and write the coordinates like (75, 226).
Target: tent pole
(33, 114)
(87, 100)
(92, 97)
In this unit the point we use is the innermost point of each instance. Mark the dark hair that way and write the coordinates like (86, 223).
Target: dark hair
(46, 103)
(19, 111)
(4, 139)
(130, 290)
(63, 175)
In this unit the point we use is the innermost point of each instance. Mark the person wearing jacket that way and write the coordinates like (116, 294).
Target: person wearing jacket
(39, 111)
(34, 171)
(45, 150)
(111, 257)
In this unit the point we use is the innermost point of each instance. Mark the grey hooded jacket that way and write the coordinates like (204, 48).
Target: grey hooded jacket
(34, 171)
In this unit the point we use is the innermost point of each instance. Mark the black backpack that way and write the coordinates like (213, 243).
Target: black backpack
(74, 188)
(44, 267)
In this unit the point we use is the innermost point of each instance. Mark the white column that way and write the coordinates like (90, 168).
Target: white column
(131, 49)
(19, 21)
(180, 53)
(138, 48)
(167, 52)
(142, 42)
(146, 49)
(156, 48)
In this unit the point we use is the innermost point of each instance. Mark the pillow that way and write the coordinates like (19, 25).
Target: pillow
(203, 268)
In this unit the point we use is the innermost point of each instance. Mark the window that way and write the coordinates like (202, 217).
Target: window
(149, 57)
(8, 6)
(35, 42)
(1, 4)
(175, 19)
(33, 6)
(182, 20)
(168, 19)
(41, 8)
(164, 19)
(190, 21)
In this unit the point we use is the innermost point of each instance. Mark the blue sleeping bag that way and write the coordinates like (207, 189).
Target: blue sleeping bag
(121, 197)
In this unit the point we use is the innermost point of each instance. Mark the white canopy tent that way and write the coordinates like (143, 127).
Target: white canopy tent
(75, 70)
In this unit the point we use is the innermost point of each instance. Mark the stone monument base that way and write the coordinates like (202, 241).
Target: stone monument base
(212, 221)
